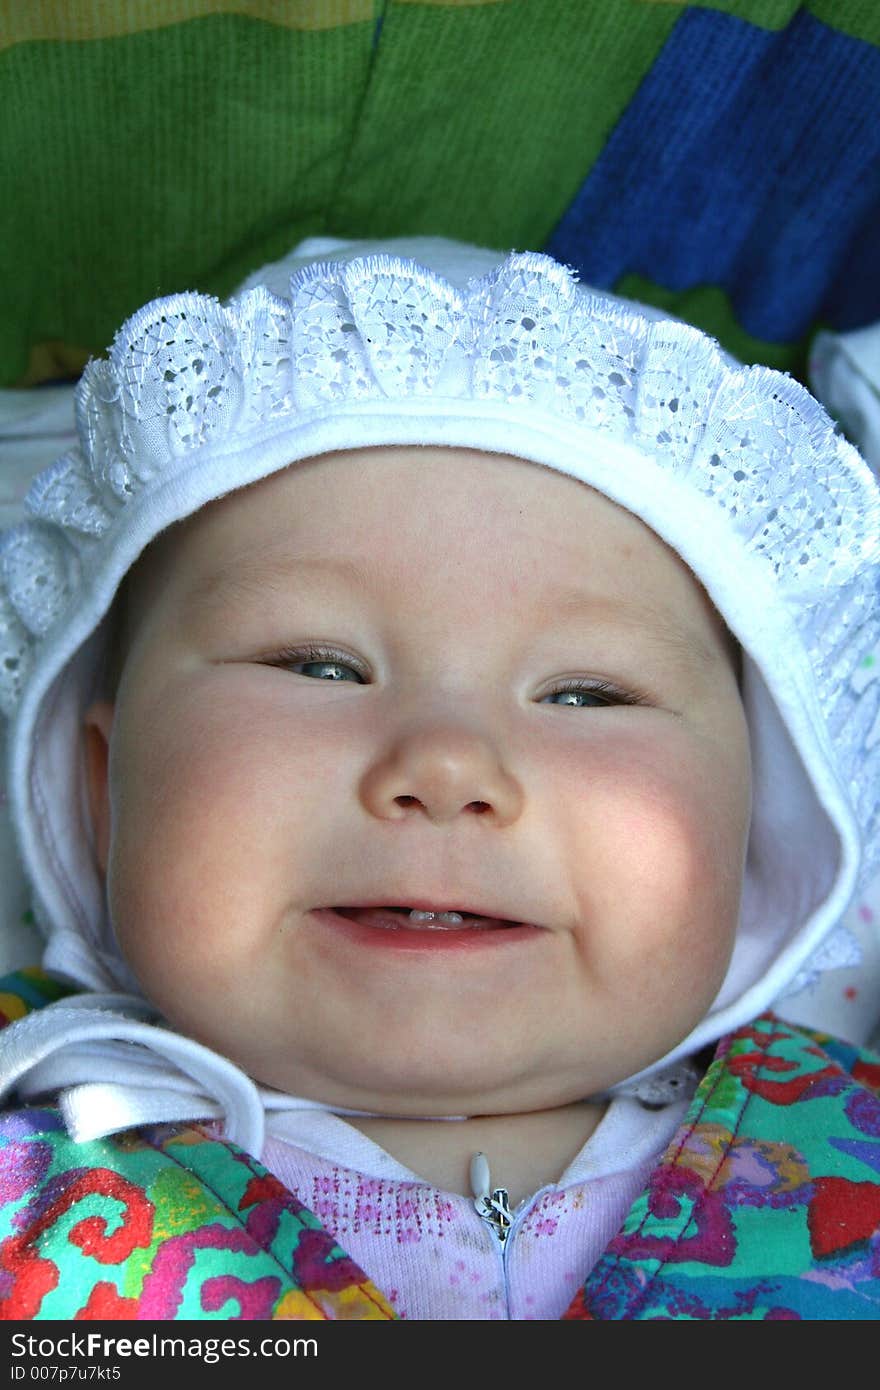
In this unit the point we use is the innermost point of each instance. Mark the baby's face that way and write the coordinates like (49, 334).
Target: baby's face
(436, 680)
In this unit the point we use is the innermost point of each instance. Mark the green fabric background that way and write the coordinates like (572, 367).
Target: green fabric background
(183, 157)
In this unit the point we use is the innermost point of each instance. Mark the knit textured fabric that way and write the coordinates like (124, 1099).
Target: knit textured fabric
(717, 159)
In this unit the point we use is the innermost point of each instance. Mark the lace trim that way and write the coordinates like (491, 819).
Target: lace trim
(837, 952)
(186, 372)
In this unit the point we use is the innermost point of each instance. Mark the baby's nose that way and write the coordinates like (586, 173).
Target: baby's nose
(441, 772)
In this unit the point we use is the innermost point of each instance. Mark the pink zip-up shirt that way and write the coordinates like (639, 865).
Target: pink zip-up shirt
(430, 1252)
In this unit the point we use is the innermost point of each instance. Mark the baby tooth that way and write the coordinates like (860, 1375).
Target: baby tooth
(450, 918)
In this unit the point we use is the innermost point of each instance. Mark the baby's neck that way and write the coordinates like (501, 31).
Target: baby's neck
(525, 1152)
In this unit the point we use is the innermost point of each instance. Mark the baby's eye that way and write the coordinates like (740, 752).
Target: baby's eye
(597, 695)
(317, 665)
(580, 698)
(326, 670)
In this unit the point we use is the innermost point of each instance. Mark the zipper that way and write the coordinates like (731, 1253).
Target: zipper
(493, 1206)
(491, 1203)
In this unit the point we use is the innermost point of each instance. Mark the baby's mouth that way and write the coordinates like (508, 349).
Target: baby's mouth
(417, 919)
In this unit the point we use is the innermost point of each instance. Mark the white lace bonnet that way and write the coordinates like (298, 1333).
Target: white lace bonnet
(738, 469)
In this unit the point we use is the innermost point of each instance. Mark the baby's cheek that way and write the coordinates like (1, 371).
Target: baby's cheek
(692, 889)
(183, 861)
(661, 853)
(676, 861)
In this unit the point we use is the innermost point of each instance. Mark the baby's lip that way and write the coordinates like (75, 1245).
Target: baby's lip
(465, 908)
(420, 934)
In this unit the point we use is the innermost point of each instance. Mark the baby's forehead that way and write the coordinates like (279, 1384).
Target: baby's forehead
(454, 516)
(443, 499)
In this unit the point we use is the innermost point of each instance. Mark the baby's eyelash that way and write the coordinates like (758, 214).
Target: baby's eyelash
(603, 690)
(291, 656)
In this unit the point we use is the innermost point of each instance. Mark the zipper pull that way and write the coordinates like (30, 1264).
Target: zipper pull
(493, 1204)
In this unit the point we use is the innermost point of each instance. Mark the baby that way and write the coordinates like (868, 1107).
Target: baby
(434, 749)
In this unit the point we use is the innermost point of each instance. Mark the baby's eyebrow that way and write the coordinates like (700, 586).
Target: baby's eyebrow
(645, 619)
(253, 575)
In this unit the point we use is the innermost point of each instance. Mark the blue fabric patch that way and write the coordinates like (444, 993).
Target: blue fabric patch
(748, 160)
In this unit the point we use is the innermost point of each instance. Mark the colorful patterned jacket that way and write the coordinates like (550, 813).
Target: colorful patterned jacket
(765, 1205)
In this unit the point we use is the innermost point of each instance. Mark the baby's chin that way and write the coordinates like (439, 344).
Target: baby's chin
(408, 1093)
